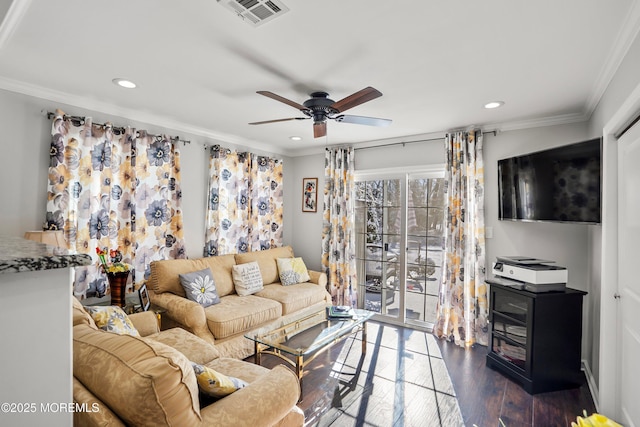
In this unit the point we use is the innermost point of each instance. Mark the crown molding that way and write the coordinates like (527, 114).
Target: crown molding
(560, 119)
(14, 15)
(161, 122)
(625, 38)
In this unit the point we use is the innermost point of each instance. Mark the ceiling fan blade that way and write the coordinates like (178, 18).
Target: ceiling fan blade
(361, 120)
(279, 120)
(282, 99)
(319, 129)
(360, 97)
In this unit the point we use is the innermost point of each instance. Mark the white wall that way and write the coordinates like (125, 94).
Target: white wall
(306, 226)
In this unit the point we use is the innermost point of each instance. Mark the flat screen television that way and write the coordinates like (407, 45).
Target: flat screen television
(561, 184)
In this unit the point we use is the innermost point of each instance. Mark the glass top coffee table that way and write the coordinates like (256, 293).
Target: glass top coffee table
(299, 342)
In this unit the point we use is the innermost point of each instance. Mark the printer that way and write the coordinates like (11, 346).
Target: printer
(531, 274)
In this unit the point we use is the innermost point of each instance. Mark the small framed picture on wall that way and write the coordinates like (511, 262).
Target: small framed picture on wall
(309, 194)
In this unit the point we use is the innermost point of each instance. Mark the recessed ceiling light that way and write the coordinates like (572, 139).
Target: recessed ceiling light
(124, 83)
(493, 104)
(295, 138)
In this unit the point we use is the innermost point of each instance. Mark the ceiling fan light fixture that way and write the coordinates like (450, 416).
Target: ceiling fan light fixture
(493, 104)
(127, 84)
(320, 108)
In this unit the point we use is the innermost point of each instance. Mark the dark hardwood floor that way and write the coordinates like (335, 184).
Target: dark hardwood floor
(484, 395)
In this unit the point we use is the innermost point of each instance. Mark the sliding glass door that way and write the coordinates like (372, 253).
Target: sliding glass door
(399, 229)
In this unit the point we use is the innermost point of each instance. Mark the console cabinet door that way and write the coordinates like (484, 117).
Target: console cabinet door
(511, 313)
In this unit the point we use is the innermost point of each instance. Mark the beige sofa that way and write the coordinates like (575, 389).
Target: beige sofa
(149, 381)
(226, 323)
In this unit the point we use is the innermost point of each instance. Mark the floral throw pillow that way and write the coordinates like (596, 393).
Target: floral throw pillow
(200, 287)
(112, 319)
(292, 271)
(214, 383)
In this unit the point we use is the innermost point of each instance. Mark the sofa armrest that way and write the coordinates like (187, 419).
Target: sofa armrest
(96, 413)
(318, 277)
(188, 314)
(271, 397)
(145, 322)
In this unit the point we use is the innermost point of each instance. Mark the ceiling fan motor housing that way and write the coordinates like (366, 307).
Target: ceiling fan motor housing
(319, 107)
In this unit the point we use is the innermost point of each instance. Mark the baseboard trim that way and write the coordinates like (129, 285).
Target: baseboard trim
(591, 382)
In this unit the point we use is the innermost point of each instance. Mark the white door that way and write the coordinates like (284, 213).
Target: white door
(629, 275)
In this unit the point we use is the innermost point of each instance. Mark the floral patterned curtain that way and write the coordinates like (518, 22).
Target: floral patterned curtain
(245, 204)
(114, 189)
(462, 313)
(338, 234)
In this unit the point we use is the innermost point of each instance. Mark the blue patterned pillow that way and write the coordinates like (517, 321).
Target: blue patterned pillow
(200, 287)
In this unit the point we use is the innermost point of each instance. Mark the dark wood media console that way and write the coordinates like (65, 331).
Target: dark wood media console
(536, 338)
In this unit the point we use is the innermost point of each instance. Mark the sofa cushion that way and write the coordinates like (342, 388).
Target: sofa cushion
(236, 314)
(247, 279)
(80, 315)
(267, 261)
(97, 413)
(193, 347)
(220, 267)
(294, 297)
(248, 372)
(200, 287)
(145, 383)
(164, 276)
(292, 271)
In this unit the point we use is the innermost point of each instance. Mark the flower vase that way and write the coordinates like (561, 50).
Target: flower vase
(118, 285)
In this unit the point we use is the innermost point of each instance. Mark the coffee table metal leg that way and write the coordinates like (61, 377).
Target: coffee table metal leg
(256, 352)
(364, 338)
(299, 372)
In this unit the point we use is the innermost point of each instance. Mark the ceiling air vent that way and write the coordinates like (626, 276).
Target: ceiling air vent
(255, 12)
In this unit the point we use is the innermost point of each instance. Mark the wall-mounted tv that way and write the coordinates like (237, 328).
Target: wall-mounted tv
(561, 184)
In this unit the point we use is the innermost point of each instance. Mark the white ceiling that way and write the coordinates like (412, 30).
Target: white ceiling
(198, 66)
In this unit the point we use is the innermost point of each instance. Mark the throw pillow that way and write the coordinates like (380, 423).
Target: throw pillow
(247, 278)
(292, 271)
(214, 383)
(112, 319)
(200, 287)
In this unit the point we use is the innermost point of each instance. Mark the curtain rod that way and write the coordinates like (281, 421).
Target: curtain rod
(79, 120)
(494, 132)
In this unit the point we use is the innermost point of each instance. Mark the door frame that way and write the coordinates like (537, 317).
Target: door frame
(402, 173)
(609, 375)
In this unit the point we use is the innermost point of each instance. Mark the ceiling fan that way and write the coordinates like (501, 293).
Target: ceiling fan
(320, 108)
